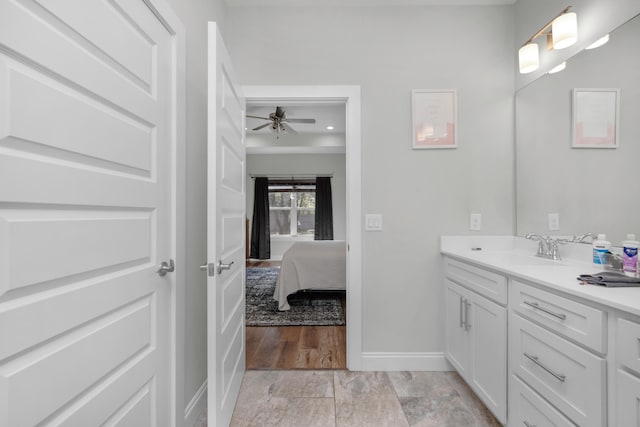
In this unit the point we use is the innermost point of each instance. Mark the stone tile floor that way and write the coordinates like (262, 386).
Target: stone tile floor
(342, 398)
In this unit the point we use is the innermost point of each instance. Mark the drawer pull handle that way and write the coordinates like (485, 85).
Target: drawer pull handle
(529, 424)
(535, 360)
(461, 310)
(536, 306)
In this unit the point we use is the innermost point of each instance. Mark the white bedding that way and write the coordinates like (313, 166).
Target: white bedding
(320, 264)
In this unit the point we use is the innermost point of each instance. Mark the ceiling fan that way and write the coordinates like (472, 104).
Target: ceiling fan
(279, 121)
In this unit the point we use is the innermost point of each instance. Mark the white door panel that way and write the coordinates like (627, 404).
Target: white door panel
(87, 131)
(226, 233)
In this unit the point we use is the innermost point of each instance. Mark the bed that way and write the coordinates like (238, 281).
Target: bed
(315, 265)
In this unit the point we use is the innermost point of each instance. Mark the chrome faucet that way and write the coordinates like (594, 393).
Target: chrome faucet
(543, 243)
(581, 238)
(547, 246)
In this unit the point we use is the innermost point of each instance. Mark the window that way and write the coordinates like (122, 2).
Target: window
(292, 207)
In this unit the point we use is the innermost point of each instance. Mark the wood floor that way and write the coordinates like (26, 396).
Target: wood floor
(295, 347)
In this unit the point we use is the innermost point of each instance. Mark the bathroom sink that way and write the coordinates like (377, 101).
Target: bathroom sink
(521, 259)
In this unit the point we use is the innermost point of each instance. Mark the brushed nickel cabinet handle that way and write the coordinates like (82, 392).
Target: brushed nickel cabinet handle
(537, 306)
(535, 360)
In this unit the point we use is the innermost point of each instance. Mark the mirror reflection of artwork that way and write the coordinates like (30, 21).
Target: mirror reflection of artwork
(434, 118)
(595, 118)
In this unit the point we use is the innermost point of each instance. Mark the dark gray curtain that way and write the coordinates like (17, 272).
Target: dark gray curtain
(260, 231)
(324, 209)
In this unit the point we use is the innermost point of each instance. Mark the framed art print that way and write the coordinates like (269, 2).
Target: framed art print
(434, 118)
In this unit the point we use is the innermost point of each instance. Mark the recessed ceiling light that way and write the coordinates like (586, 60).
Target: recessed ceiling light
(330, 127)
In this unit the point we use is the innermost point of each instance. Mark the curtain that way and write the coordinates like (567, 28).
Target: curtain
(324, 209)
(260, 230)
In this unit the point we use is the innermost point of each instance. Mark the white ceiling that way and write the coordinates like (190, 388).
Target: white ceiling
(291, 3)
(326, 114)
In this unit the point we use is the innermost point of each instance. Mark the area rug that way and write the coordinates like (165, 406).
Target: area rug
(262, 309)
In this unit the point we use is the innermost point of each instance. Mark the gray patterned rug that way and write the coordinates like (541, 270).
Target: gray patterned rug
(262, 309)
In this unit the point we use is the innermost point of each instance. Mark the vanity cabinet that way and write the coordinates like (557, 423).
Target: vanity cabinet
(476, 332)
(628, 372)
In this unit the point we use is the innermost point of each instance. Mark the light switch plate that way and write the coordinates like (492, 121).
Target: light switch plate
(554, 221)
(475, 222)
(373, 222)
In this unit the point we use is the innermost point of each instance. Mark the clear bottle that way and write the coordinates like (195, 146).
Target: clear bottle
(600, 248)
(630, 255)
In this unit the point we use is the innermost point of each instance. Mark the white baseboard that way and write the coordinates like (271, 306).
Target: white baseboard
(387, 361)
(194, 413)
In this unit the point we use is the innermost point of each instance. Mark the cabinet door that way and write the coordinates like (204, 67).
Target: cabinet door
(627, 400)
(487, 324)
(456, 337)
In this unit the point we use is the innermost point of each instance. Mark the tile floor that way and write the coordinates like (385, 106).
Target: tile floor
(342, 398)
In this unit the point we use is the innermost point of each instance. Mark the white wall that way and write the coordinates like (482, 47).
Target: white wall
(421, 194)
(195, 14)
(595, 19)
(320, 164)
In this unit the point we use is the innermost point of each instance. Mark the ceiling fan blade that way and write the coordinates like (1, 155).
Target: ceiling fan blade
(279, 112)
(261, 126)
(258, 117)
(301, 120)
(289, 129)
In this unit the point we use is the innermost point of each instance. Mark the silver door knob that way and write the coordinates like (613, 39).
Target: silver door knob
(166, 268)
(222, 266)
(210, 268)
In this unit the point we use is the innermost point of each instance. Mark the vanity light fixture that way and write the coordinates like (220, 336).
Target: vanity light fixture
(558, 68)
(602, 40)
(330, 127)
(561, 32)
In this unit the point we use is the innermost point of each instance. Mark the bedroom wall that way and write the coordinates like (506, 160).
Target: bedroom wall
(265, 164)
(422, 194)
(195, 15)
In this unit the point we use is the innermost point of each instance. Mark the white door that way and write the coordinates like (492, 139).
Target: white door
(225, 234)
(86, 139)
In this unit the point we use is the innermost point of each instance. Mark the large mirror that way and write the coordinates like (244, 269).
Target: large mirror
(591, 189)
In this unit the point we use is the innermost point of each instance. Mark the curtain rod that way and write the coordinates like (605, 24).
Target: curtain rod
(293, 176)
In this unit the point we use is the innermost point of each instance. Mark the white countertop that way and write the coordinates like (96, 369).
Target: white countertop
(515, 256)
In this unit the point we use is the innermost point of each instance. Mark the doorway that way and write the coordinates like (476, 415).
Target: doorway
(349, 97)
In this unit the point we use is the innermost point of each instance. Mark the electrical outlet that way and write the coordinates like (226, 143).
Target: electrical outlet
(475, 222)
(554, 221)
(373, 222)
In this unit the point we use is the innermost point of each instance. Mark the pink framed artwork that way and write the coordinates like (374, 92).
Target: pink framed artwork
(595, 118)
(434, 118)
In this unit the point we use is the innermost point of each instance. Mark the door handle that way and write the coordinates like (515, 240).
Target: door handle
(210, 268)
(467, 325)
(461, 310)
(222, 266)
(166, 268)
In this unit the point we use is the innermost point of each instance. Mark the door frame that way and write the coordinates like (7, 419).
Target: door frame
(350, 95)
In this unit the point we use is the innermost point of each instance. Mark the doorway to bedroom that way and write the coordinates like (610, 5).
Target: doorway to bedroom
(296, 234)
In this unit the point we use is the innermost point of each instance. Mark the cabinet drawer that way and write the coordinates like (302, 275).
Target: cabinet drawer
(628, 344)
(527, 408)
(581, 323)
(561, 372)
(627, 400)
(486, 283)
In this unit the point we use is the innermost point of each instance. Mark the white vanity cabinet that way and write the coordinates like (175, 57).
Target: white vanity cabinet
(628, 372)
(476, 331)
(573, 350)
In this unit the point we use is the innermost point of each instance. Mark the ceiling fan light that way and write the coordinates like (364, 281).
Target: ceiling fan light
(564, 30)
(528, 58)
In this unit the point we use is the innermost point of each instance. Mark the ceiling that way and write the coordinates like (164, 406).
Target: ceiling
(302, 3)
(326, 114)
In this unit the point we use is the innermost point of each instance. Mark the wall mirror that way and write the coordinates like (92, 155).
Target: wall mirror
(591, 189)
